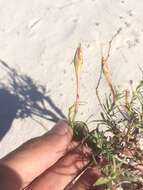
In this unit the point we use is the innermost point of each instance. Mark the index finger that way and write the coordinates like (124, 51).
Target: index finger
(38, 154)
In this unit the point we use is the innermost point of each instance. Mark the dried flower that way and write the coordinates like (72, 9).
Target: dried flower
(78, 62)
(107, 75)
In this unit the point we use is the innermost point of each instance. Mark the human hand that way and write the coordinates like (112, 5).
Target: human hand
(48, 162)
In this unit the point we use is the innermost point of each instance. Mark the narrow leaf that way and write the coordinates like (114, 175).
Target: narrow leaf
(103, 180)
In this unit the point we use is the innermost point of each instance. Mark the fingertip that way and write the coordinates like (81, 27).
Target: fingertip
(62, 128)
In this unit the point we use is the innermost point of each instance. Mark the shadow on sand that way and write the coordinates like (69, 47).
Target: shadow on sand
(23, 98)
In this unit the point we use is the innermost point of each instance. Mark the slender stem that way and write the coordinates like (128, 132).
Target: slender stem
(77, 98)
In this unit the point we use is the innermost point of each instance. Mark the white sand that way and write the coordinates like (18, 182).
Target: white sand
(38, 39)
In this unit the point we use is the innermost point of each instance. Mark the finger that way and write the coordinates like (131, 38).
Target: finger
(87, 179)
(60, 175)
(35, 156)
(9, 180)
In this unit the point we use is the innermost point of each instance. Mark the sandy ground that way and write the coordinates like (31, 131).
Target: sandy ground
(38, 39)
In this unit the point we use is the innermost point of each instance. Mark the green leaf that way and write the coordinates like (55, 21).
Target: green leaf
(72, 113)
(103, 180)
(102, 115)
